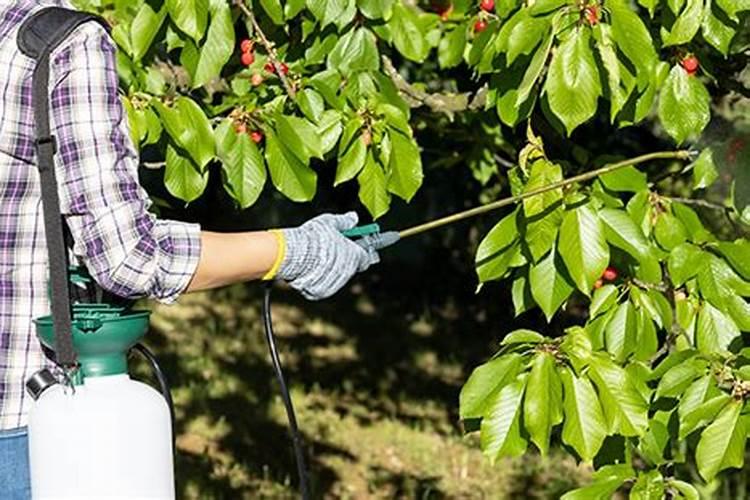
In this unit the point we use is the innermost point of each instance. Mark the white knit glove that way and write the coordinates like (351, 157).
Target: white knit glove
(319, 260)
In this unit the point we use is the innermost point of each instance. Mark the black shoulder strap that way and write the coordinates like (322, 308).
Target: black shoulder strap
(38, 37)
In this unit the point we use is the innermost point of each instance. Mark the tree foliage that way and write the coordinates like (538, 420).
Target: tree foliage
(657, 373)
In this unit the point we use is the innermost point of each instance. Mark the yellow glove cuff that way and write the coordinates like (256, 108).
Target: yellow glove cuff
(280, 254)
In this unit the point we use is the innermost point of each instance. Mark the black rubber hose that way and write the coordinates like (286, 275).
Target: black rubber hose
(162, 380)
(294, 430)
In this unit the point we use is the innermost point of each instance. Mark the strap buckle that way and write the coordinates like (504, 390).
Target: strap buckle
(48, 141)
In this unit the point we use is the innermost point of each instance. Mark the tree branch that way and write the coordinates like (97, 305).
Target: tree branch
(269, 48)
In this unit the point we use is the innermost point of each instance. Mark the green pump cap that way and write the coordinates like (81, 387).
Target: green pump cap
(102, 336)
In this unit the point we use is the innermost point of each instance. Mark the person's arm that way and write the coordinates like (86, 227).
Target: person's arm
(128, 250)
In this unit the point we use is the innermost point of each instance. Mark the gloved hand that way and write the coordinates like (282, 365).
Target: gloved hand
(319, 260)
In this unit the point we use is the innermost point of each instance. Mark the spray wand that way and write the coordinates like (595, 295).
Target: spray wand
(370, 235)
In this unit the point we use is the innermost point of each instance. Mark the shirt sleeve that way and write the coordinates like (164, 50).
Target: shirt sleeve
(127, 250)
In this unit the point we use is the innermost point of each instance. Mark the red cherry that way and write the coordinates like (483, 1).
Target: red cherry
(284, 69)
(256, 136)
(256, 79)
(246, 45)
(610, 274)
(480, 25)
(446, 12)
(487, 5)
(247, 58)
(690, 64)
(592, 14)
(598, 284)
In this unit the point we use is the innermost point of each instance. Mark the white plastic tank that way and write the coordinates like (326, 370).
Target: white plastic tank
(111, 439)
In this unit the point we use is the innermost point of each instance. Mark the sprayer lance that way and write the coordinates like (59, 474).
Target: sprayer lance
(370, 235)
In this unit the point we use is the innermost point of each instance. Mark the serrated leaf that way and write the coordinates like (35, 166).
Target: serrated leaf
(405, 165)
(648, 486)
(542, 408)
(526, 33)
(530, 77)
(684, 105)
(351, 162)
(704, 170)
(144, 28)
(300, 137)
(622, 231)
(494, 252)
(632, 36)
(583, 247)
(608, 54)
(685, 261)
(702, 415)
(451, 48)
(715, 330)
(218, 47)
(242, 164)
(738, 256)
(686, 25)
(295, 179)
(628, 179)
(274, 10)
(573, 85)
(625, 410)
(484, 382)
(191, 16)
(549, 286)
(327, 11)
(722, 444)
(182, 178)
(501, 429)
(372, 188)
(620, 335)
(584, 428)
(355, 51)
(687, 490)
(407, 34)
(521, 294)
(189, 127)
(677, 379)
(603, 300)
(669, 231)
(718, 29)
(522, 336)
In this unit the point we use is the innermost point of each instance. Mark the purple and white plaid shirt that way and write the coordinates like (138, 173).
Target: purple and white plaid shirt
(125, 248)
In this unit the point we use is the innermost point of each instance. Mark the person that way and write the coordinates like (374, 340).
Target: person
(126, 249)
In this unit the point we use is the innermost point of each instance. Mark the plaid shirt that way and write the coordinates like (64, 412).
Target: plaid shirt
(125, 248)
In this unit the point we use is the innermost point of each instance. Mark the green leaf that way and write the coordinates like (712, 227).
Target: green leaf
(274, 10)
(496, 249)
(522, 336)
(572, 85)
(678, 378)
(451, 48)
(549, 287)
(144, 28)
(608, 54)
(722, 444)
(355, 51)
(351, 162)
(543, 173)
(182, 178)
(704, 170)
(532, 74)
(632, 36)
(686, 26)
(606, 481)
(545, 6)
(189, 127)
(375, 9)
(584, 428)
(738, 256)
(583, 247)
(684, 105)
(718, 30)
(521, 294)
(669, 231)
(649, 486)
(603, 300)
(628, 179)
(715, 330)
(372, 188)
(484, 382)
(328, 11)
(625, 409)
(684, 262)
(622, 231)
(218, 46)
(329, 129)
(407, 35)
(702, 415)
(405, 165)
(501, 429)
(299, 136)
(687, 490)
(242, 164)
(620, 335)
(295, 179)
(525, 35)
(191, 16)
(542, 408)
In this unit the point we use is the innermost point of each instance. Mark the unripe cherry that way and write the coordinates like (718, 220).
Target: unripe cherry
(247, 58)
(256, 136)
(487, 5)
(598, 284)
(256, 79)
(480, 25)
(592, 14)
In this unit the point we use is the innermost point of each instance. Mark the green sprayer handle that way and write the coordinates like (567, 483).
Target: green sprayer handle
(356, 232)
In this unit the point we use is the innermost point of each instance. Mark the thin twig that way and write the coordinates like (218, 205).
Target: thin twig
(660, 287)
(699, 203)
(269, 48)
(677, 155)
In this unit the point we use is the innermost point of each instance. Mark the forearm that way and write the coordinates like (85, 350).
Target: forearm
(228, 258)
